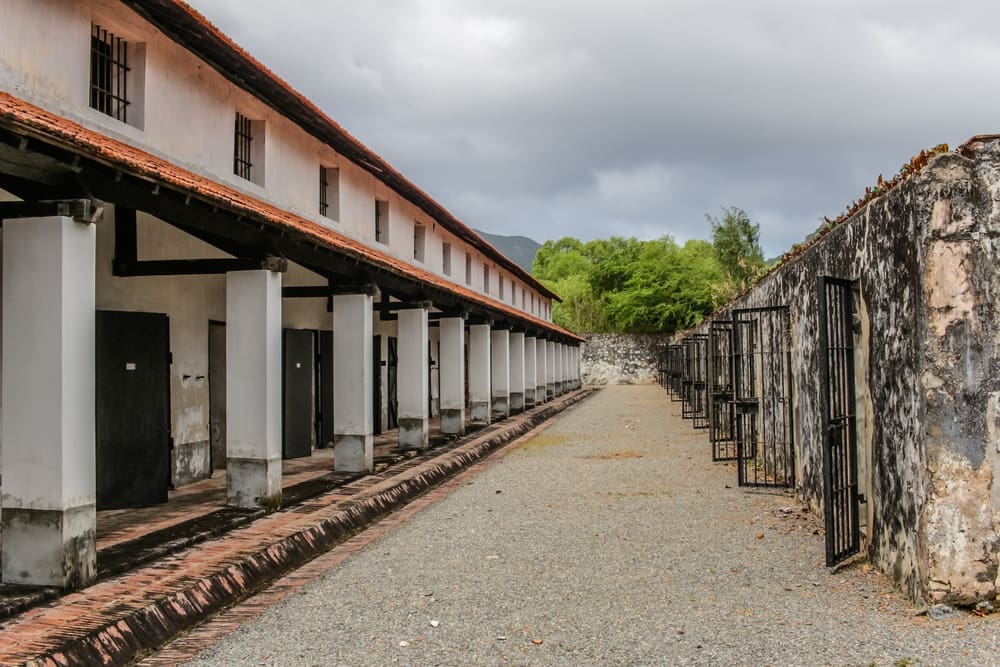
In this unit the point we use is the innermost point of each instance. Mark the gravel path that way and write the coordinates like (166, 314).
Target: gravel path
(610, 538)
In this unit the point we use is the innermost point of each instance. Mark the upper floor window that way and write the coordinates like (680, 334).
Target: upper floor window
(468, 269)
(419, 238)
(116, 76)
(486, 279)
(329, 192)
(500, 283)
(381, 221)
(446, 258)
(248, 149)
(522, 298)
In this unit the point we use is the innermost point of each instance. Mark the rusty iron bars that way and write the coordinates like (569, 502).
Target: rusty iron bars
(762, 396)
(687, 378)
(837, 399)
(722, 431)
(675, 371)
(699, 380)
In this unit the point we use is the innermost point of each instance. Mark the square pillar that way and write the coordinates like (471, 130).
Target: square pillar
(452, 375)
(479, 373)
(541, 354)
(353, 383)
(530, 354)
(500, 373)
(575, 366)
(434, 334)
(550, 370)
(253, 387)
(48, 461)
(413, 379)
(516, 372)
(563, 366)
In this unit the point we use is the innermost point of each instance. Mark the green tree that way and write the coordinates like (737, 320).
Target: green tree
(736, 241)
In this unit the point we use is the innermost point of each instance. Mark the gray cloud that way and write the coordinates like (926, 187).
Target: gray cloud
(637, 117)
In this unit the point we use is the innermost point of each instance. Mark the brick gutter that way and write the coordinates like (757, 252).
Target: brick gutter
(80, 630)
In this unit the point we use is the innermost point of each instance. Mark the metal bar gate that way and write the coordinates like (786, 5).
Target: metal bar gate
(722, 432)
(676, 371)
(840, 437)
(762, 396)
(699, 380)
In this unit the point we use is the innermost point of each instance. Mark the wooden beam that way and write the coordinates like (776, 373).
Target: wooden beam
(192, 267)
(82, 210)
(392, 306)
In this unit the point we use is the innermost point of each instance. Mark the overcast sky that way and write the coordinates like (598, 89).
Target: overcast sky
(637, 117)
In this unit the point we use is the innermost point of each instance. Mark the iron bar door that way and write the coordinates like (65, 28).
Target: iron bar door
(720, 394)
(837, 396)
(699, 380)
(676, 353)
(687, 379)
(762, 396)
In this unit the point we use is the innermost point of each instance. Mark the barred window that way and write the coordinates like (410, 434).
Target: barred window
(242, 164)
(109, 73)
(329, 192)
(381, 221)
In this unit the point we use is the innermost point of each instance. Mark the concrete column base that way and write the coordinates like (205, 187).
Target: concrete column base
(550, 392)
(353, 453)
(500, 407)
(516, 402)
(49, 547)
(529, 398)
(453, 422)
(252, 483)
(413, 433)
(479, 411)
(435, 407)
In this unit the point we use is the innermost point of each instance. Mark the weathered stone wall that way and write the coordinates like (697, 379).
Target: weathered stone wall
(621, 358)
(925, 260)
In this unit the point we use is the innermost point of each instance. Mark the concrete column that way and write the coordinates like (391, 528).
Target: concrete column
(560, 387)
(530, 374)
(500, 370)
(541, 364)
(479, 372)
(452, 374)
(353, 382)
(253, 387)
(550, 370)
(49, 519)
(434, 334)
(575, 367)
(413, 384)
(516, 372)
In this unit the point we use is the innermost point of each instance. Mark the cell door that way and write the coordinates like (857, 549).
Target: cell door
(720, 391)
(675, 355)
(324, 398)
(687, 379)
(377, 385)
(840, 435)
(762, 396)
(132, 409)
(699, 380)
(392, 366)
(217, 393)
(299, 354)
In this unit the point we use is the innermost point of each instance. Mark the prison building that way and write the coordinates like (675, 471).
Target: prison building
(864, 373)
(202, 270)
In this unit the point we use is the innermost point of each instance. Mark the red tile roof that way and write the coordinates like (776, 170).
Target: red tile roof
(186, 26)
(25, 118)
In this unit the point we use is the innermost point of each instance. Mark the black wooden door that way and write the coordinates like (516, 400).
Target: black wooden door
(297, 389)
(132, 409)
(377, 385)
(840, 437)
(324, 400)
(217, 393)
(392, 366)
(762, 396)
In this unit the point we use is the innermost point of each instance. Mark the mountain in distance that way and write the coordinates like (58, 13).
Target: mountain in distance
(521, 249)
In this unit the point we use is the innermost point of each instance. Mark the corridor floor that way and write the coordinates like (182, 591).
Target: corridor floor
(609, 538)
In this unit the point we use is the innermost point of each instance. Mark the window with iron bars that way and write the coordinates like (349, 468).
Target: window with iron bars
(243, 141)
(381, 221)
(109, 73)
(329, 192)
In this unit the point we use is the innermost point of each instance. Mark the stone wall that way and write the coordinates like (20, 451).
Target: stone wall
(621, 358)
(924, 259)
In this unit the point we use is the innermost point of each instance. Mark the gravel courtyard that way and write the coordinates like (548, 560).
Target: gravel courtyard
(609, 539)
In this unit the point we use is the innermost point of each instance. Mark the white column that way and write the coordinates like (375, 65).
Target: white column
(49, 519)
(530, 374)
(541, 363)
(253, 387)
(413, 385)
(516, 372)
(452, 374)
(564, 367)
(500, 369)
(435, 370)
(550, 370)
(479, 373)
(559, 386)
(576, 367)
(352, 382)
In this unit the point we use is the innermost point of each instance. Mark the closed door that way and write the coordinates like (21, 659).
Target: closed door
(298, 390)
(132, 409)
(217, 393)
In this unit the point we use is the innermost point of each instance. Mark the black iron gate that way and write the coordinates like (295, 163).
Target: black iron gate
(762, 396)
(722, 432)
(699, 379)
(840, 449)
(675, 372)
(687, 379)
